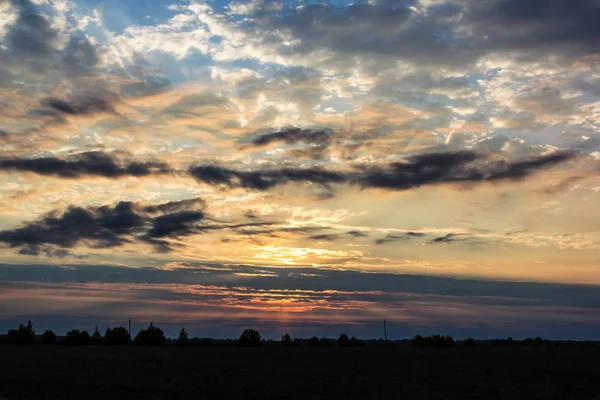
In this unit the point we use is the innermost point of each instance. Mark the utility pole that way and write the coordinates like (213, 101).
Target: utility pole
(385, 329)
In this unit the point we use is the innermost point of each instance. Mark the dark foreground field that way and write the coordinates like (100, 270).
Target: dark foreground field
(299, 373)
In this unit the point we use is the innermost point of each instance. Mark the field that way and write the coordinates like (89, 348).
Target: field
(301, 372)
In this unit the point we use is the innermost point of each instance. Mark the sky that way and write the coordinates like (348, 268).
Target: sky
(300, 166)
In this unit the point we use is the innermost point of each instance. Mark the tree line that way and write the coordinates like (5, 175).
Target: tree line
(119, 336)
(154, 336)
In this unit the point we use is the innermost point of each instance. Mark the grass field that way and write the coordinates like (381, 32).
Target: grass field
(301, 372)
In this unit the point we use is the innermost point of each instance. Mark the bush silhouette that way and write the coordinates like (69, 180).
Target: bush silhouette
(313, 341)
(325, 342)
(249, 337)
(469, 342)
(343, 340)
(286, 339)
(24, 334)
(355, 342)
(75, 337)
(96, 337)
(539, 341)
(117, 336)
(182, 340)
(48, 338)
(433, 341)
(153, 336)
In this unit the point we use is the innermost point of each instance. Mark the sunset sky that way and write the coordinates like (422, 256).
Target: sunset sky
(301, 167)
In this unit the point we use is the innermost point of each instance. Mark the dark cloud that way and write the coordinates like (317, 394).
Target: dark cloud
(101, 227)
(173, 206)
(327, 237)
(83, 103)
(127, 222)
(449, 238)
(394, 237)
(418, 170)
(455, 167)
(265, 179)
(371, 35)
(357, 234)
(175, 224)
(521, 169)
(84, 164)
(415, 171)
(32, 35)
(105, 227)
(336, 236)
(538, 27)
(376, 35)
(44, 250)
(34, 51)
(80, 56)
(295, 135)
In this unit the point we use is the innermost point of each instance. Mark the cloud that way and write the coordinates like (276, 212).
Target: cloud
(44, 250)
(357, 234)
(83, 103)
(449, 238)
(211, 293)
(84, 164)
(455, 167)
(42, 47)
(265, 179)
(295, 135)
(417, 170)
(560, 27)
(393, 237)
(374, 34)
(159, 225)
(80, 56)
(173, 206)
(32, 34)
(336, 236)
(106, 227)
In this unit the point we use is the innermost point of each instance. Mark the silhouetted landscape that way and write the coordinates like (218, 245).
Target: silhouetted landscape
(309, 199)
(80, 365)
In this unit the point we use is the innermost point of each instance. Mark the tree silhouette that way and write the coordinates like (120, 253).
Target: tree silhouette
(153, 336)
(355, 342)
(182, 340)
(313, 341)
(433, 341)
(96, 337)
(286, 339)
(250, 337)
(24, 334)
(48, 338)
(117, 336)
(469, 342)
(75, 337)
(343, 340)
